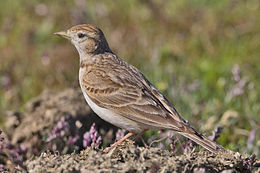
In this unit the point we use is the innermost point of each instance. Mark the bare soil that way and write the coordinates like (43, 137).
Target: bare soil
(130, 158)
(42, 113)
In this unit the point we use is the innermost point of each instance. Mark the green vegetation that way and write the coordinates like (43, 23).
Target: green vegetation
(203, 55)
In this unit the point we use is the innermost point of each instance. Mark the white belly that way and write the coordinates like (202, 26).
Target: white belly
(112, 117)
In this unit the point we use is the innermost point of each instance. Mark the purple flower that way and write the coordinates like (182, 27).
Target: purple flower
(99, 140)
(23, 147)
(251, 139)
(240, 83)
(72, 140)
(216, 133)
(120, 134)
(61, 137)
(91, 137)
(12, 152)
(1, 167)
(236, 73)
(172, 144)
(86, 139)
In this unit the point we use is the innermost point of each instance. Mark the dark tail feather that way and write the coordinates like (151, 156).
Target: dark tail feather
(204, 142)
(201, 140)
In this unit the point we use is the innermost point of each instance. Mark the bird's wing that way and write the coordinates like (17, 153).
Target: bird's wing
(120, 87)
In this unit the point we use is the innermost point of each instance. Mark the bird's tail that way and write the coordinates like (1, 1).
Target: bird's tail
(200, 139)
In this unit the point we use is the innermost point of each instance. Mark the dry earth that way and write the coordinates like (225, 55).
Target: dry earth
(42, 113)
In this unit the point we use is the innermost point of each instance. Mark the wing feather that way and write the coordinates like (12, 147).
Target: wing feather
(124, 89)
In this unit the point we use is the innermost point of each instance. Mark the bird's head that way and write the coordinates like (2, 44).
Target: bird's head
(87, 39)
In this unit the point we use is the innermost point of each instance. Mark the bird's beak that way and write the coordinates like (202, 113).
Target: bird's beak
(63, 34)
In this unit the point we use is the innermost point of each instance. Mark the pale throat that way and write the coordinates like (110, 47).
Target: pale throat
(82, 53)
(86, 60)
(84, 57)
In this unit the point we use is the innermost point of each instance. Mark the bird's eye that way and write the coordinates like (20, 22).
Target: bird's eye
(81, 35)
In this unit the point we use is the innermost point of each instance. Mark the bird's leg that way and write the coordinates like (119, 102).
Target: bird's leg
(140, 135)
(124, 138)
(119, 141)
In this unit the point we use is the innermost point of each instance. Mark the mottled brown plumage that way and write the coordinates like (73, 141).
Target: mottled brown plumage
(119, 93)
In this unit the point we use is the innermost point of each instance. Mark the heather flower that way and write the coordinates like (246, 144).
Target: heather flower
(86, 140)
(91, 138)
(120, 134)
(1, 167)
(61, 138)
(172, 144)
(251, 139)
(23, 147)
(60, 130)
(5, 81)
(72, 140)
(12, 152)
(216, 133)
(240, 83)
(236, 73)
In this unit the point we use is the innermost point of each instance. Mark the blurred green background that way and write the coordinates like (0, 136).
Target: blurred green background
(203, 55)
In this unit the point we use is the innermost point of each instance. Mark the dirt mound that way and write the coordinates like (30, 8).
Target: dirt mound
(130, 158)
(42, 113)
(28, 131)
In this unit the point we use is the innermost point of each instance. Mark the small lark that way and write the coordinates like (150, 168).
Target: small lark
(120, 94)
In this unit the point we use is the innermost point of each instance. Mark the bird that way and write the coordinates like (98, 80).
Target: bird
(120, 94)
